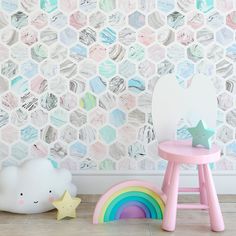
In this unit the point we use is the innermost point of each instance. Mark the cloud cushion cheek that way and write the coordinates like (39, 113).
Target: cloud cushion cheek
(31, 187)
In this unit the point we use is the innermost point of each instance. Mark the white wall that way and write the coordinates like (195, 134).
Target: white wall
(99, 183)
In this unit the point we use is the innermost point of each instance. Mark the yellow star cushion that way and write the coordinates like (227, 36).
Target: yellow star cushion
(66, 206)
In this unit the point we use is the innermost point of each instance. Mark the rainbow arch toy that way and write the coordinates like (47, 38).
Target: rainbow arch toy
(130, 199)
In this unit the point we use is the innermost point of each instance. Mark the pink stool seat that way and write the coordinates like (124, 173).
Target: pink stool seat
(182, 152)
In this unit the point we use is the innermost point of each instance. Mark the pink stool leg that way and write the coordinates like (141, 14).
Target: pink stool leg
(169, 219)
(167, 177)
(216, 219)
(202, 185)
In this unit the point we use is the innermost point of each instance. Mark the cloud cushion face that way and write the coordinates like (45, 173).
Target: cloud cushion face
(31, 187)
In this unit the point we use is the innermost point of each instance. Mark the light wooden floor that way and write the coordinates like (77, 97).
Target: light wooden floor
(189, 223)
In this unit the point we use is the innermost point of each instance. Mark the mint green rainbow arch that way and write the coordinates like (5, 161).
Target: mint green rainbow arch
(117, 202)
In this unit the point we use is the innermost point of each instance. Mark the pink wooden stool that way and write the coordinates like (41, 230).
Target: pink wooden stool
(181, 152)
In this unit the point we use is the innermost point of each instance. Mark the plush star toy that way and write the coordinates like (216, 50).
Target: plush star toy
(201, 135)
(66, 206)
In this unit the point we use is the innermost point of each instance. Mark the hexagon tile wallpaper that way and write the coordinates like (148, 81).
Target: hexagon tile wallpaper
(76, 78)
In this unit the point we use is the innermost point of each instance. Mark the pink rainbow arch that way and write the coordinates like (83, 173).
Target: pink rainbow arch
(130, 199)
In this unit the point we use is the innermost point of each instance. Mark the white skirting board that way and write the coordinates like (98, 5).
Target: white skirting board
(99, 183)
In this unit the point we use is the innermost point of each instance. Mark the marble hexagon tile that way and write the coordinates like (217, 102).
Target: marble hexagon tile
(76, 77)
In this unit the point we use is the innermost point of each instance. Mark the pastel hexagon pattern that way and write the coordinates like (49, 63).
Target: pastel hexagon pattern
(77, 77)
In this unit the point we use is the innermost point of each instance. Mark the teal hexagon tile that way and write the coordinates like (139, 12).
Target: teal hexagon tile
(88, 101)
(204, 5)
(59, 117)
(107, 134)
(78, 150)
(48, 5)
(107, 68)
(78, 52)
(19, 85)
(117, 118)
(97, 85)
(107, 36)
(29, 134)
